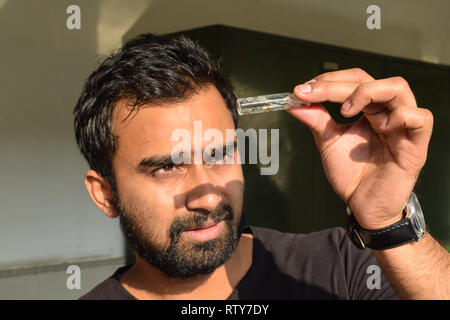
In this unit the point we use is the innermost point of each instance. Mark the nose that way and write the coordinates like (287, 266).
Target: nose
(203, 194)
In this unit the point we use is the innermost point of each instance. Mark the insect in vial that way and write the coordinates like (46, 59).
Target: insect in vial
(268, 102)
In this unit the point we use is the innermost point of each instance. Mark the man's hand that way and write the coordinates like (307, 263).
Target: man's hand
(372, 164)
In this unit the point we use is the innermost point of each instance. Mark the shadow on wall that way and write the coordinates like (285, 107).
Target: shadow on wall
(307, 20)
(44, 64)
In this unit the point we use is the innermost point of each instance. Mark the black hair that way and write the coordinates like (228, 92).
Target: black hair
(147, 69)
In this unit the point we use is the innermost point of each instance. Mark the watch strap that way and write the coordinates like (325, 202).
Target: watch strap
(380, 239)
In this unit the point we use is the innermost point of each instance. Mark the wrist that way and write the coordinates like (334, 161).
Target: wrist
(396, 231)
(385, 223)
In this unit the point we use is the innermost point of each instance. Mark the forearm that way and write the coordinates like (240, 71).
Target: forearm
(417, 270)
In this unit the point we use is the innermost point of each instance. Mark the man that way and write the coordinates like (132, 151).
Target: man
(185, 219)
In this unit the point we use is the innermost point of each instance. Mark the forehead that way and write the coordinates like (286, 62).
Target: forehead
(148, 131)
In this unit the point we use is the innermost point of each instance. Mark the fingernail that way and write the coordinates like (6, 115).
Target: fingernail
(305, 88)
(347, 105)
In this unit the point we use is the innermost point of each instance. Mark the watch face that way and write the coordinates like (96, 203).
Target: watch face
(416, 215)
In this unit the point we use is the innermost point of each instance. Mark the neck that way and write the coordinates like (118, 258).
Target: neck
(144, 281)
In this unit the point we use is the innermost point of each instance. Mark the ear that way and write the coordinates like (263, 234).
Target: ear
(101, 194)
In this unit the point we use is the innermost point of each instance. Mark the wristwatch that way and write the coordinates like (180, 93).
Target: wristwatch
(411, 228)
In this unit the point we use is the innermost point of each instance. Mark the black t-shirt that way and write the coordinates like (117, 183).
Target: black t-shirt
(319, 265)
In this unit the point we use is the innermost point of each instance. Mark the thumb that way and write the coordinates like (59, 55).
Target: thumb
(317, 118)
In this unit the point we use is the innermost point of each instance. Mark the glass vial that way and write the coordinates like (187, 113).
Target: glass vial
(268, 102)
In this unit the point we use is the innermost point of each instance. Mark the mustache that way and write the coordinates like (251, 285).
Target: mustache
(198, 219)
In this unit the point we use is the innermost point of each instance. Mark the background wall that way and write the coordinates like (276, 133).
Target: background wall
(409, 28)
(46, 217)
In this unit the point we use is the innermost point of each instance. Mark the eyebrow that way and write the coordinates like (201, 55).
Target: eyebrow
(231, 145)
(163, 160)
(154, 161)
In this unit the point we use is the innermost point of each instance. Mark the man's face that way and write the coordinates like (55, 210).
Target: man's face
(183, 219)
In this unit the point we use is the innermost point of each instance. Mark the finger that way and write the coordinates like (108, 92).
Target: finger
(317, 118)
(378, 120)
(351, 75)
(391, 92)
(418, 122)
(320, 91)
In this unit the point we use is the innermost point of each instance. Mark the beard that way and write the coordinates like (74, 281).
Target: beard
(182, 258)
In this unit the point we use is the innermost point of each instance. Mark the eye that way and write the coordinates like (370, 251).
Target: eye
(164, 171)
(215, 158)
(228, 154)
(211, 157)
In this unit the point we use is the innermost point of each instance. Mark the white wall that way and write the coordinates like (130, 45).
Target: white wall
(46, 216)
(413, 29)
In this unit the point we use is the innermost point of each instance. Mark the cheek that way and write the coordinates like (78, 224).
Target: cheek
(234, 190)
(232, 173)
(150, 214)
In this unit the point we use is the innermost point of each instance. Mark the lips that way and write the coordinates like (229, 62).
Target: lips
(208, 232)
(206, 226)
